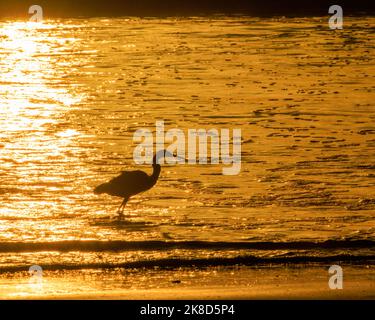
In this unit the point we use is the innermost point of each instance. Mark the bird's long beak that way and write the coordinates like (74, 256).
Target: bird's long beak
(170, 155)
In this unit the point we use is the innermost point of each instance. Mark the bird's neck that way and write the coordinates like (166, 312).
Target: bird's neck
(156, 172)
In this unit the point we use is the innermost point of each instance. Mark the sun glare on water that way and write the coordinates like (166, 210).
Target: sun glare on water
(33, 99)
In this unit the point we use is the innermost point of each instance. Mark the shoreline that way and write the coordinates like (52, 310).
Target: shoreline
(235, 283)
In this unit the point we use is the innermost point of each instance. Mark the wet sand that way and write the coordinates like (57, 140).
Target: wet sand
(267, 282)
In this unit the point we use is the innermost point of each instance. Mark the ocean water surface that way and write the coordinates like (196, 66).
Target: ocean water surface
(73, 92)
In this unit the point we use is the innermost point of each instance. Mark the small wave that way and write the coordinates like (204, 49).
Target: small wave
(100, 246)
(172, 263)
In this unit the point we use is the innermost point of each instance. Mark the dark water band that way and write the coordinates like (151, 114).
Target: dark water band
(101, 246)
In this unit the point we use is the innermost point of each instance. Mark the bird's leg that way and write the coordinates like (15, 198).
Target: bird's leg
(120, 210)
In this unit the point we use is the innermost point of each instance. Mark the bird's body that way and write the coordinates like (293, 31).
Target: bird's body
(130, 183)
(127, 184)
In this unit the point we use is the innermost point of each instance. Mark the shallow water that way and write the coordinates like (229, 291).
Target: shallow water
(73, 92)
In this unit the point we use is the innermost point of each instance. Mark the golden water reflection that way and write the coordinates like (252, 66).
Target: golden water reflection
(73, 92)
(34, 99)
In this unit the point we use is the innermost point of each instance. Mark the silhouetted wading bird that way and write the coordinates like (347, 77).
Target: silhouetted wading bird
(130, 183)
